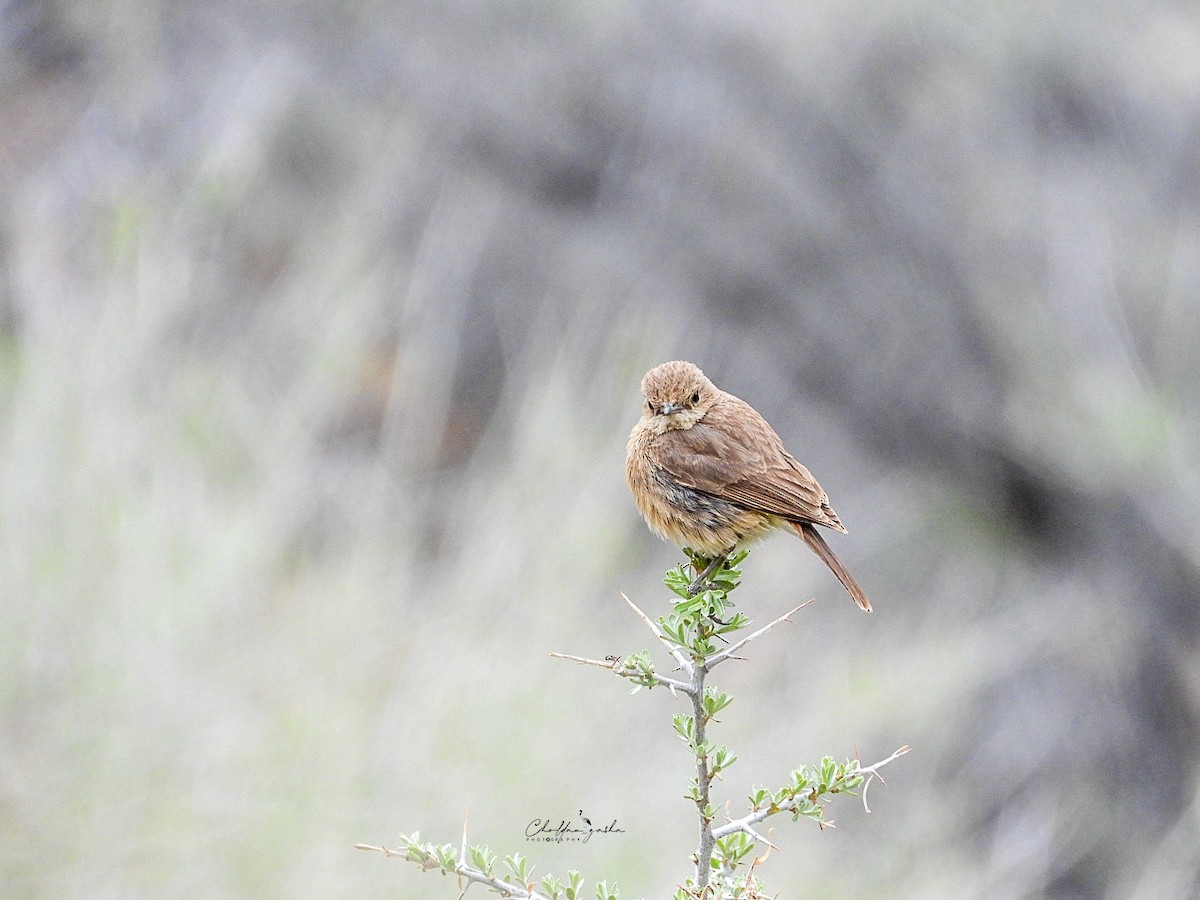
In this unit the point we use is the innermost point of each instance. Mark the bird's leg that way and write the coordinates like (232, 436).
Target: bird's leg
(702, 579)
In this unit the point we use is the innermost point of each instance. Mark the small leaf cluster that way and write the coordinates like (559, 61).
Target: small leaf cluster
(639, 668)
(731, 851)
(809, 789)
(729, 854)
(739, 887)
(426, 855)
(711, 703)
(700, 618)
(515, 870)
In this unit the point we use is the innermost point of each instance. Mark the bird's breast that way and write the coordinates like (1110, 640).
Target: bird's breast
(684, 515)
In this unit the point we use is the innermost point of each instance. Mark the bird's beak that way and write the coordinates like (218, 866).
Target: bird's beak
(668, 408)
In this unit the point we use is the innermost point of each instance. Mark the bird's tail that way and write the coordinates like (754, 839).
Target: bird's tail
(814, 540)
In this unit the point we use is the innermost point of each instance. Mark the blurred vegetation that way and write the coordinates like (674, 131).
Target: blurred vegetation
(320, 333)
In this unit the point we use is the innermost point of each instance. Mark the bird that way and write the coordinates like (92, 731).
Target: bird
(710, 474)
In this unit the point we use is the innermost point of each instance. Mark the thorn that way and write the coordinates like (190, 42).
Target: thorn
(462, 853)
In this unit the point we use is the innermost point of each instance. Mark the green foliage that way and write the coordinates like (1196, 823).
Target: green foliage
(722, 759)
(574, 885)
(714, 701)
(481, 858)
(731, 850)
(685, 727)
(641, 668)
(518, 867)
(571, 889)
(426, 855)
(809, 789)
(724, 886)
(701, 617)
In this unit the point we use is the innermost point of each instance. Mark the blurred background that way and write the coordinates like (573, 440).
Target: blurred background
(321, 328)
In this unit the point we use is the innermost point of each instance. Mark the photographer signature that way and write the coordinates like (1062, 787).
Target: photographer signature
(562, 830)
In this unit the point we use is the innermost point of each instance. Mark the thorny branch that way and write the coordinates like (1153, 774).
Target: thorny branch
(462, 870)
(746, 823)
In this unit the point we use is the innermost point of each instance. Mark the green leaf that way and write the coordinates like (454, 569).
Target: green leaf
(801, 778)
(686, 608)
(733, 848)
(678, 581)
(828, 772)
(673, 627)
(722, 760)
(685, 726)
(519, 867)
(481, 858)
(640, 661)
(715, 700)
(445, 857)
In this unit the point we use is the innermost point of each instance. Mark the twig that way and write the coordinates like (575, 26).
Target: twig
(507, 888)
(728, 652)
(623, 671)
(746, 823)
(758, 837)
(873, 773)
(680, 657)
(386, 851)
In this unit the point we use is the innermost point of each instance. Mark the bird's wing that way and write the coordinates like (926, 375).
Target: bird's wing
(732, 453)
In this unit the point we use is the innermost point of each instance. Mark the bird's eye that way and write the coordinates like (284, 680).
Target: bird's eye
(695, 398)
(649, 407)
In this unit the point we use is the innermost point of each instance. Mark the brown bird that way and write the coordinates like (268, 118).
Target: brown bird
(710, 474)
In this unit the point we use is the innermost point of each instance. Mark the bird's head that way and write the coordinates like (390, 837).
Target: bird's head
(677, 395)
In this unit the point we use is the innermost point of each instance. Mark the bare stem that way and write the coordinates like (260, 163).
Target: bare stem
(703, 780)
(675, 651)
